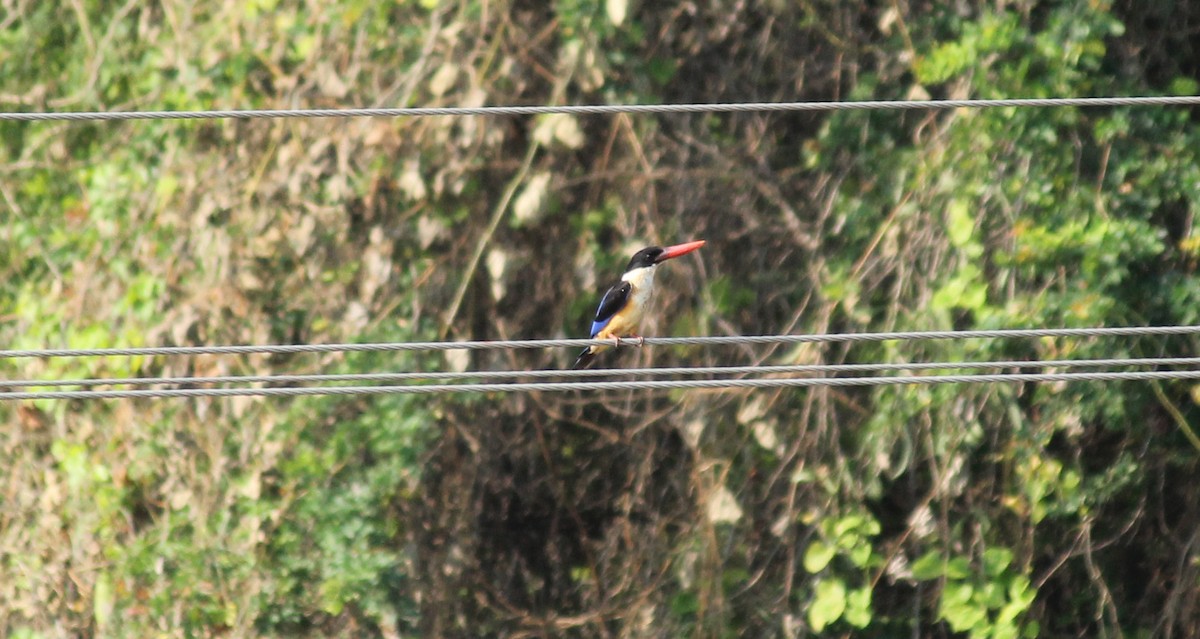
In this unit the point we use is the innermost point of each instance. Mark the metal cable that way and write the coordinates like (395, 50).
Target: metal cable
(579, 343)
(605, 109)
(572, 373)
(607, 386)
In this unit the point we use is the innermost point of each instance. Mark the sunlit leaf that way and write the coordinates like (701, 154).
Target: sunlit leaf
(928, 566)
(858, 607)
(818, 555)
(828, 603)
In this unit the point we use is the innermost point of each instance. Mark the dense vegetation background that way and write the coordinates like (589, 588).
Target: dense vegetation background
(986, 511)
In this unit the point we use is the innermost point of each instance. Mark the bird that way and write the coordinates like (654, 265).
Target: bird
(622, 307)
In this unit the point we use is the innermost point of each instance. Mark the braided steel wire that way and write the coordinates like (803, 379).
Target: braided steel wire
(600, 109)
(801, 382)
(1125, 331)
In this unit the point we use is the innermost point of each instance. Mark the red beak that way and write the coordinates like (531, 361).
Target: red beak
(679, 249)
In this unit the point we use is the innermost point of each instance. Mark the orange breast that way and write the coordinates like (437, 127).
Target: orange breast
(623, 324)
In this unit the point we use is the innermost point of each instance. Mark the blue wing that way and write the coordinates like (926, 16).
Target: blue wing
(613, 301)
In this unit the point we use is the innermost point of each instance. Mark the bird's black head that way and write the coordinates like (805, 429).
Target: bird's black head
(648, 256)
(652, 255)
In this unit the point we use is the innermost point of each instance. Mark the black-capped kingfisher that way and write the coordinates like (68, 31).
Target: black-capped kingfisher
(622, 307)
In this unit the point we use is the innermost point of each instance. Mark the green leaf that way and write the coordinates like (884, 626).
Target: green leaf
(943, 63)
(102, 600)
(1184, 86)
(1019, 590)
(331, 592)
(958, 568)
(860, 555)
(996, 561)
(1009, 612)
(956, 592)
(858, 607)
(1005, 631)
(963, 616)
(846, 524)
(991, 594)
(960, 224)
(684, 604)
(818, 555)
(966, 289)
(828, 605)
(662, 70)
(929, 566)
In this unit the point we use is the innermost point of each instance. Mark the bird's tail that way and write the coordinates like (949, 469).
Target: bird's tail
(585, 358)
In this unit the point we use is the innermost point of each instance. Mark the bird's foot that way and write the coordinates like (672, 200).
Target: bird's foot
(638, 341)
